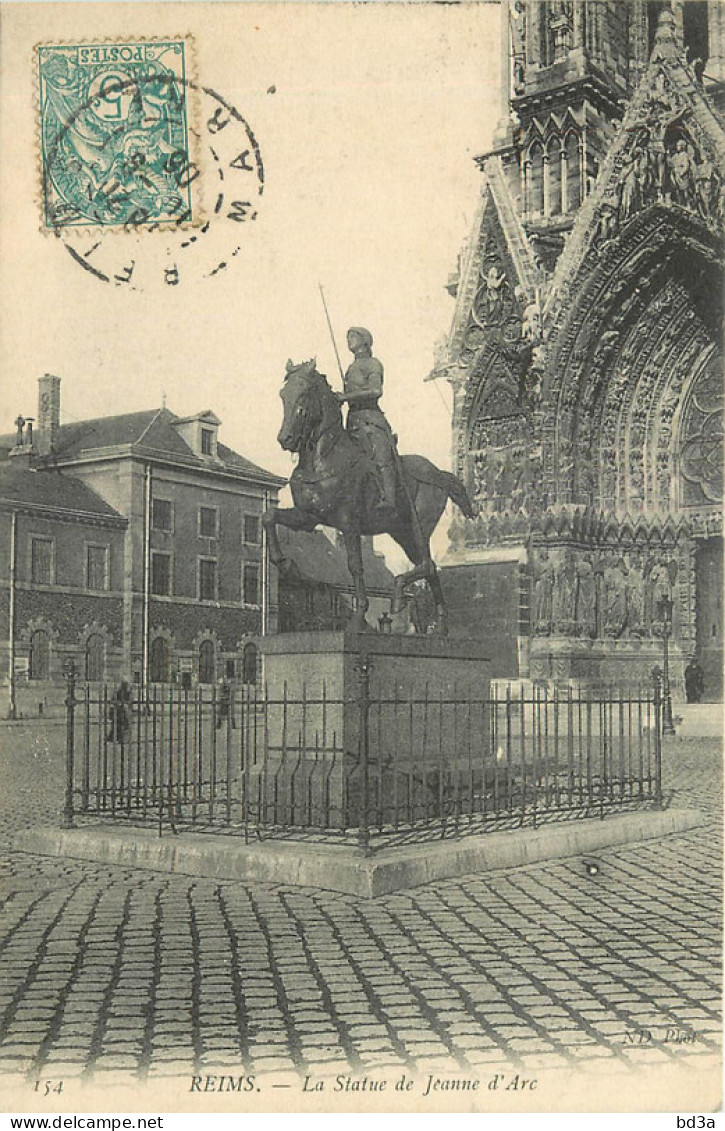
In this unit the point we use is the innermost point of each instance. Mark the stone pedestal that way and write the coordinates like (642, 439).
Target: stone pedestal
(345, 715)
(620, 664)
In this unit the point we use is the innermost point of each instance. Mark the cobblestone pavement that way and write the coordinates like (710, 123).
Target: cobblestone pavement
(105, 969)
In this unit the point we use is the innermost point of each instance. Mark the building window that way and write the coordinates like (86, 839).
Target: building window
(162, 514)
(208, 519)
(252, 529)
(250, 583)
(207, 579)
(97, 567)
(207, 662)
(207, 442)
(553, 177)
(573, 174)
(536, 180)
(95, 654)
(39, 664)
(159, 660)
(41, 561)
(161, 574)
(249, 664)
(695, 30)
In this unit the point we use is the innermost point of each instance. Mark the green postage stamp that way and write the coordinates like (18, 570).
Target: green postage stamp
(114, 134)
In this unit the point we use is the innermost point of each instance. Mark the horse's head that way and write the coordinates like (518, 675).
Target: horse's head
(306, 398)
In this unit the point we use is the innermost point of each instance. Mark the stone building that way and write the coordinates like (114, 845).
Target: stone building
(585, 351)
(61, 581)
(131, 544)
(316, 594)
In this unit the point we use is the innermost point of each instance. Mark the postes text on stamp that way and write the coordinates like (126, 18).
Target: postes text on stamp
(114, 134)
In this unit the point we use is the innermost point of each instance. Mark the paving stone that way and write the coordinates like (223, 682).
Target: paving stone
(539, 960)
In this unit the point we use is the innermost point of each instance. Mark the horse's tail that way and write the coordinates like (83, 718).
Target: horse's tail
(424, 471)
(456, 491)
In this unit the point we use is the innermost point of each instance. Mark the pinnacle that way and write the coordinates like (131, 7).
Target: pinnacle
(666, 35)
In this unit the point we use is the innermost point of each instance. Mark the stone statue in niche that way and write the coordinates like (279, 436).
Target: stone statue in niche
(564, 594)
(543, 594)
(656, 586)
(531, 323)
(635, 586)
(522, 481)
(635, 185)
(682, 165)
(503, 483)
(615, 597)
(706, 189)
(518, 45)
(586, 597)
(495, 293)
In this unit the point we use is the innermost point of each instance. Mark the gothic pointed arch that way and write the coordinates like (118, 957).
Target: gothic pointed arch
(621, 360)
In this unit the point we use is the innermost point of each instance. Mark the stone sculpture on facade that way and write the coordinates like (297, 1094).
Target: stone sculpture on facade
(543, 594)
(586, 597)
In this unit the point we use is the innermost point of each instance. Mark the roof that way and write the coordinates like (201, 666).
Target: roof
(25, 487)
(152, 432)
(319, 560)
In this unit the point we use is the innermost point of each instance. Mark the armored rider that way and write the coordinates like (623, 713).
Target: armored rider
(366, 421)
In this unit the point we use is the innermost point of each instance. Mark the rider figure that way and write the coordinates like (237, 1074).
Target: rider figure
(366, 421)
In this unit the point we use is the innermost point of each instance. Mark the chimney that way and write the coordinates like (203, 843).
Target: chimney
(48, 413)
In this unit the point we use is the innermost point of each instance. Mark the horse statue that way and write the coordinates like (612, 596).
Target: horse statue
(335, 484)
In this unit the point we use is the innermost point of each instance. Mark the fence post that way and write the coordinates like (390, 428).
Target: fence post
(229, 754)
(363, 666)
(70, 671)
(658, 740)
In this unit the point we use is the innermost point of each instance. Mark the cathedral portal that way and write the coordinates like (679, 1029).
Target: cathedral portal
(585, 353)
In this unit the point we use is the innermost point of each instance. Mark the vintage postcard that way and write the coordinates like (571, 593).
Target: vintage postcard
(361, 557)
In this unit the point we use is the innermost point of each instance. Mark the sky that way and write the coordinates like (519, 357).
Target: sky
(368, 117)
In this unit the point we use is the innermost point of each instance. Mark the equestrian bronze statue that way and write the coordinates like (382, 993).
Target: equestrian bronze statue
(353, 480)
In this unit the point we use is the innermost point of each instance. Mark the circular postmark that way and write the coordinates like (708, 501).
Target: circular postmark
(148, 178)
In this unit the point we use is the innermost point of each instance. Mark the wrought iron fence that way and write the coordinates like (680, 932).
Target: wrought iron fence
(374, 768)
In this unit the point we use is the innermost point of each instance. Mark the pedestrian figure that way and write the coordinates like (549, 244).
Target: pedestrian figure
(120, 713)
(223, 705)
(694, 681)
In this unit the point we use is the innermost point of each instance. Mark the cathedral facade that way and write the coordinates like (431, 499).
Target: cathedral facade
(585, 354)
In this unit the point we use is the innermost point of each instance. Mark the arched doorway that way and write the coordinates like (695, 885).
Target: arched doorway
(94, 658)
(39, 661)
(249, 663)
(207, 662)
(700, 466)
(159, 660)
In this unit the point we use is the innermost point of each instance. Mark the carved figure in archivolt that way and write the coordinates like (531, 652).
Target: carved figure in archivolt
(543, 593)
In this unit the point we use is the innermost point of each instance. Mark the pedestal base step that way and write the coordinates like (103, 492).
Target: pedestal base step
(344, 868)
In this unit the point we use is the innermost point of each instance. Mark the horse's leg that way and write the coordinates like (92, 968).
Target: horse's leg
(434, 581)
(291, 517)
(430, 502)
(410, 543)
(353, 547)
